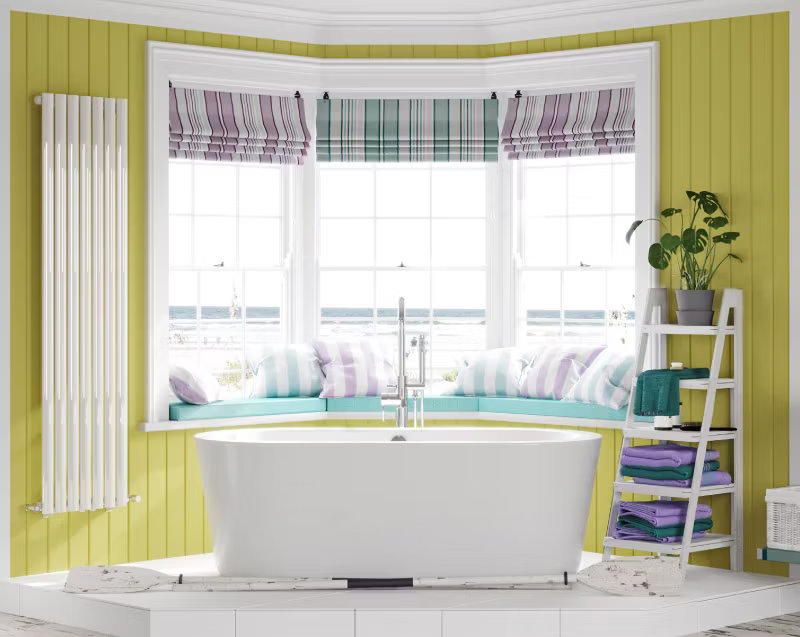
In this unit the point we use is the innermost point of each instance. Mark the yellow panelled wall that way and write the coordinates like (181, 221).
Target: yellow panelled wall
(724, 123)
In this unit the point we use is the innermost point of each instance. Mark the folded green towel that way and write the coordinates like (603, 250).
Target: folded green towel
(681, 472)
(636, 522)
(658, 390)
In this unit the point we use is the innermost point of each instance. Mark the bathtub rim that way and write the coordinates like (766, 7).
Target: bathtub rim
(222, 436)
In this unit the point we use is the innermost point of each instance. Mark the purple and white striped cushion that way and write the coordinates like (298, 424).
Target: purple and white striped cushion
(194, 387)
(555, 369)
(353, 368)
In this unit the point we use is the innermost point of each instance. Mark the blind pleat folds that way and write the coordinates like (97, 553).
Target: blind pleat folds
(241, 127)
(448, 130)
(599, 122)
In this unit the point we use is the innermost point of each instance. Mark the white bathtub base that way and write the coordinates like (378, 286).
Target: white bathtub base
(711, 598)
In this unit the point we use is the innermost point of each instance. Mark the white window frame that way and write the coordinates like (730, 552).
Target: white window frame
(233, 70)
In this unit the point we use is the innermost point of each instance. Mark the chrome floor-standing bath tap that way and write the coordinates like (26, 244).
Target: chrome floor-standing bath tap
(403, 385)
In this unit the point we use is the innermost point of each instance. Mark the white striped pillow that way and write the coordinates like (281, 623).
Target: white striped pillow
(555, 369)
(287, 371)
(495, 372)
(608, 380)
(359, 367)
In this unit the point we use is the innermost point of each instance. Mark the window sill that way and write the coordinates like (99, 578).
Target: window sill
(468, 416)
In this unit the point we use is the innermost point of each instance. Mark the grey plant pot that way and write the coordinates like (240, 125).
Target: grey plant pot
(695, 317)
(694, 300)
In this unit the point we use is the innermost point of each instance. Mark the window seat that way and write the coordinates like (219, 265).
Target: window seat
(266, 411)
(245, 407)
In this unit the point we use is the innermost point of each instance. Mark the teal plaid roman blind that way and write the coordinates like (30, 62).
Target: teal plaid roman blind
(356, 130)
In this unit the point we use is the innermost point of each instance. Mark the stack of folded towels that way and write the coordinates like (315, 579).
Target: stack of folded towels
(670, 466)
(660, 521)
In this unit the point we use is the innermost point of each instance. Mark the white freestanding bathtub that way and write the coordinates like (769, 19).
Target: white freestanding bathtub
(352, 502)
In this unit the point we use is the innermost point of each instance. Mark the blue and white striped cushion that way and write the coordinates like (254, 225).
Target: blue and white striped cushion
(287, 371)
(495, 372)
(608, 380)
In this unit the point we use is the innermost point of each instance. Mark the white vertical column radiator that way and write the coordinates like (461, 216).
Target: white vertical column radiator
(84, 303)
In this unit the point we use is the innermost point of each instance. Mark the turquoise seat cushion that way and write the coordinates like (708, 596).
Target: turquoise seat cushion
(545, 407)
(246, 407)
(432, 403)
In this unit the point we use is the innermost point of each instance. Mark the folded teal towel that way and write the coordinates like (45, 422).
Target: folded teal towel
(658, 390)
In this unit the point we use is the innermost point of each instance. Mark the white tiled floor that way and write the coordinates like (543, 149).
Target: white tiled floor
(711, 598)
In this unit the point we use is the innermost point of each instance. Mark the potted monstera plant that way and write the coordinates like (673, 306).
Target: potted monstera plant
(695, 252)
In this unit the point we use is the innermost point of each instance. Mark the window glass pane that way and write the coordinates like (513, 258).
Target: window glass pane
(346, 192)
(413, 286)
(546, 241)
(622, 253)
(589, 189)
(545, 190)
(182, 318)
(180, 241)
(346, 303)
(402, 192)
(180, 188)
(589, 240)
(221, 336)
(346, 242)
(584, 306)
(459, 191)
(459, 312)
(262, 300)
(541, 306)
(260, 190)
(406, 242)
(259, 242)
(214, 188)
(625, 188)
(214, 241)
(621, 307)
(461, 242)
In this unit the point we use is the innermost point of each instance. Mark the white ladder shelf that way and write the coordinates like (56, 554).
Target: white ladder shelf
(655, 326)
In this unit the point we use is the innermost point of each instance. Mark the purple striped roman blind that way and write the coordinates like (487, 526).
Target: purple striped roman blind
(597, 122)
(241, 127)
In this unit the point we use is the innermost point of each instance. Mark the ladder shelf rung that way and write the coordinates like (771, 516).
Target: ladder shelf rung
(707, 543)
(671, 492)
(676, 435)
(694, 330)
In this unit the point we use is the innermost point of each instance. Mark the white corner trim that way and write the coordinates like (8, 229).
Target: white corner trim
(5, 298)
(539, 20)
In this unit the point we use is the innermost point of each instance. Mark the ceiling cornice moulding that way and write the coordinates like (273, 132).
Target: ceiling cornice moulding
(545, 19)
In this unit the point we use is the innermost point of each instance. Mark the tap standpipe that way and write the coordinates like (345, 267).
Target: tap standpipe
(401, 394)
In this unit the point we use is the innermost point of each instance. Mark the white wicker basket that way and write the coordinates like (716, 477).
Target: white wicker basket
(783, 518)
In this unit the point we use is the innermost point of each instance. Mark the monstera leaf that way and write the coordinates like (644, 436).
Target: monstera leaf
(726, 237)
(670, 211)
(706, 200)
(695, 241)
(716, 222)
(632, 229)
(658, 257)
(670, 242)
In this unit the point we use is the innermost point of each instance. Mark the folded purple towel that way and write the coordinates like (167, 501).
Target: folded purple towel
(663, 512)
(627, 533)
(710, 478)
(664, 455)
